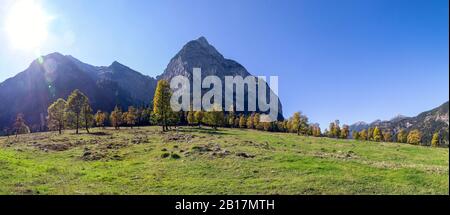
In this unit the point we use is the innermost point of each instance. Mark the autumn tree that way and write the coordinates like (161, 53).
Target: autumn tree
(304, 124)
(363, 135)
(316, 130)
(377, 136)
(198, 118)
(294, 123)
(161, 104)
(257, 124)
(174, 118)
(387, 136)
(77, 109)
(100, 118)
(131, 116)
(86, 114)
(345, 132)
(236, 121)
(334, 129)
(231, 119)
(370, 133)
(402, 136)
(242, 121)
(414, 137)
(20, 127)
(214, 117)
(250, 124)
(56, 113)
(355, 135)
(116, 117)
(190, 118)
(146, 116)
(435, 140)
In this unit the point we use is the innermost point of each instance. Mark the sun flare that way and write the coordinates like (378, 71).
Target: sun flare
(27, 25)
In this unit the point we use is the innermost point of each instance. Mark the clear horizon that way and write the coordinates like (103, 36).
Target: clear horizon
(362, 62)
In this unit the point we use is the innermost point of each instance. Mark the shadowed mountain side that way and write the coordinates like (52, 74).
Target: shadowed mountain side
(56, 76)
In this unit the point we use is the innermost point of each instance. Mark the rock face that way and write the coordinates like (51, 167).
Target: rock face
(56, 76)
(428, 122)
(200, 54)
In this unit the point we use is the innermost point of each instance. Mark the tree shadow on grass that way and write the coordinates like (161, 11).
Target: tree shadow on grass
(99, 133)
(203, 130)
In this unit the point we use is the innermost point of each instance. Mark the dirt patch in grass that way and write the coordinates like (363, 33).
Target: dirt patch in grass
(345, 155)
(114, 145)
(53, 146)
(245, 155)
(139, 140)
(264, 145)
(94, 154)
(99, 133)
(178, 137)
(427, 168)
(215, 150)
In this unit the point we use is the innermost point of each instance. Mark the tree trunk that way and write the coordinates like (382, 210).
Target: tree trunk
(86, 123)
(78, 122)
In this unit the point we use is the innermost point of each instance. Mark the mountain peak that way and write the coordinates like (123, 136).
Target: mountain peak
(202, 40)
(360, 123)
(199, 48)
(116, 63)
(398, 117)
(54, 54)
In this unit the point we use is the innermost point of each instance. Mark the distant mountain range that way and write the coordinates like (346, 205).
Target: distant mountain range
(428, 122)
(55, 76)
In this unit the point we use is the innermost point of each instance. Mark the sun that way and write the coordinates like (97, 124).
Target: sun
(27, 25)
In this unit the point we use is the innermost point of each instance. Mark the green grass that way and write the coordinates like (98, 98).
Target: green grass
(130, 161)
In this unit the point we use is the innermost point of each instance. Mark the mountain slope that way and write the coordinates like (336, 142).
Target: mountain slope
(428, 122)
(56, 76)
(200, 54)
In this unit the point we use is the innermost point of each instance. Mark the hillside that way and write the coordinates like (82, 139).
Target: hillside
(428, 122)
(200, 54)
(55, 75)
(202, 161)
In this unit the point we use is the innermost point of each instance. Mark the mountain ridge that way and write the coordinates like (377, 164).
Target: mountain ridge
(56, 75)
(428, 122)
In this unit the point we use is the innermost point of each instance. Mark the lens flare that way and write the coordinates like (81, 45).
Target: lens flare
(27, 25)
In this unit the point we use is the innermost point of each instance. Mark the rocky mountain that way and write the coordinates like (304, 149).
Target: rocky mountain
(56, 76)
(358, 126)
(200, 54)
(428, 122)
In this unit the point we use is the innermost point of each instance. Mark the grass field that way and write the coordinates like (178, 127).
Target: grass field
(203, 161)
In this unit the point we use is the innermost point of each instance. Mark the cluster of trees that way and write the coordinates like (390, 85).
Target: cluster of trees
(335, 131)
(19, 126)
(76, 113)
(375, 134)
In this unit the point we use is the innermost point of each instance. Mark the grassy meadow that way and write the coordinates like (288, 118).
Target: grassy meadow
(190, 160)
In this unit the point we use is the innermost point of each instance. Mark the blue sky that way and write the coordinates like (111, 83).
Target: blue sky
(350, 60)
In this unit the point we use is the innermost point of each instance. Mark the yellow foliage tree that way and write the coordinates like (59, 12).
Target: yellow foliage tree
(56, 113)
(414, 137)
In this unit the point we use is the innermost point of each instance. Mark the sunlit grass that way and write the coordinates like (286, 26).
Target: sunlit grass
(130, 162)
